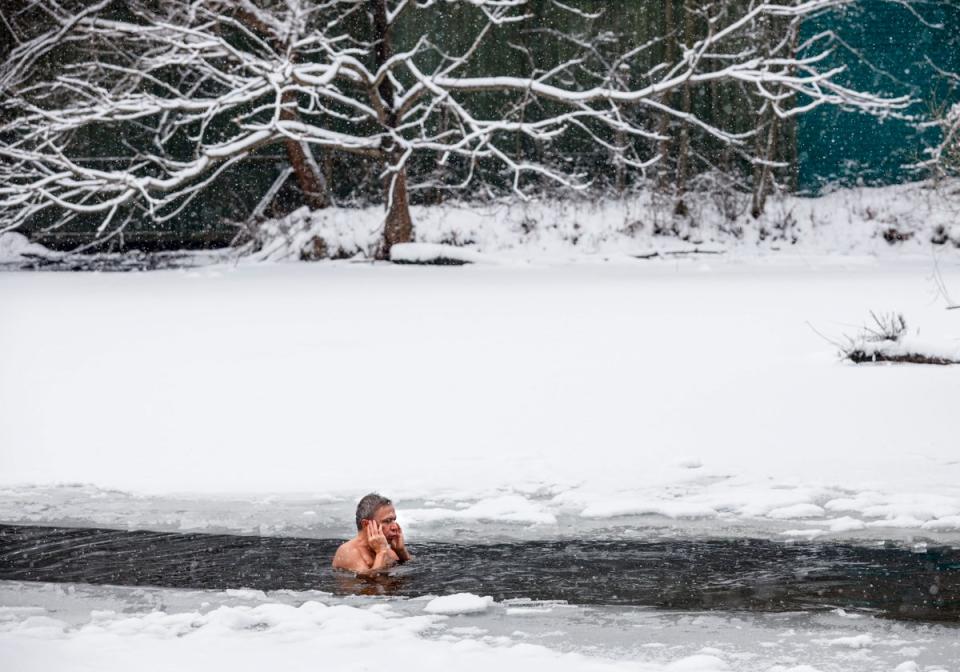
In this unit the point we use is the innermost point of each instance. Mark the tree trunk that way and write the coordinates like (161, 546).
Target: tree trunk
(398, 225)
(790, 151)
(683, 151)
(620, 140)
(311, 179)
(772, 151)
(760, 189)
(663, 126)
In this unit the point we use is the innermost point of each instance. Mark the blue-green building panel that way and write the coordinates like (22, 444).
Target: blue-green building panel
(886, 48)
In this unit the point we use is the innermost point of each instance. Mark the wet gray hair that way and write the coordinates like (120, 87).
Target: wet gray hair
(367, 507)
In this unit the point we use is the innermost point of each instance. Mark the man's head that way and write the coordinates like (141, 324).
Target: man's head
(380, 509)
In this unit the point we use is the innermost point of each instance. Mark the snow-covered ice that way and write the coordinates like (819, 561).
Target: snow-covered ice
(543, 398)
(78, 627)
(459, 603)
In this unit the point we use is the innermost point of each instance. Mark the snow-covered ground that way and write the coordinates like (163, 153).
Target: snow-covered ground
(878, 221)
(865, 220)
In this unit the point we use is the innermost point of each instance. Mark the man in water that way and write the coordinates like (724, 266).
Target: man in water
(379, 542)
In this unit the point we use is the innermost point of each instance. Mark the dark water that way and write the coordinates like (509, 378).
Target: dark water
(740, 574)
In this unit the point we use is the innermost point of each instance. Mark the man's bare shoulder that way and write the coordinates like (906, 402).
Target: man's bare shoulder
(350, 556)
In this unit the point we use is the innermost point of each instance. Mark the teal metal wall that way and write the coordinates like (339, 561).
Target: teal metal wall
(849, 148)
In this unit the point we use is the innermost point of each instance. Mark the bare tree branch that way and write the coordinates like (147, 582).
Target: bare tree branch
(190, 87)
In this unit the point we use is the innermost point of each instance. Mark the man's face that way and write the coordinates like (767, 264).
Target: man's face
(386, 515)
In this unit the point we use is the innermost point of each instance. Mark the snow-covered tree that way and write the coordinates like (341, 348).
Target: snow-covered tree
(944, 157)
(183, 89)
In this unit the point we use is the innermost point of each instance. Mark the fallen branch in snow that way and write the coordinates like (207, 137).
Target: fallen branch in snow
(881, 355)
(432, 254)
(676, 253)
(884, 341)
(18, 253)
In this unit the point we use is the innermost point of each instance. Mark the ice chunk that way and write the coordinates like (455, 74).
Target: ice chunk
(796, 511)
(507, 508)
(945, 523)
(698, 663)
(459, 603)
(854, 641)
(246, 594)
(845, 524)
(669, 508)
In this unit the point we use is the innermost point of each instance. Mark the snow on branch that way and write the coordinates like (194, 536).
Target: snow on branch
(944, 157)
(171, 94)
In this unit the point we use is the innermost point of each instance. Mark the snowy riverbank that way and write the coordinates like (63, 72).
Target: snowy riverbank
(891, 221)
(885, 221)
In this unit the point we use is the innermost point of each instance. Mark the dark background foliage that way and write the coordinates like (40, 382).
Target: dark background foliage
(885, 47)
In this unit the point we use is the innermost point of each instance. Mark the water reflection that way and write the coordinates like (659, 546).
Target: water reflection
(740, 574)
(348, 583)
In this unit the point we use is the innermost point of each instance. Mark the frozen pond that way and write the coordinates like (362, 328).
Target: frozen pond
(654, 466)
(739, 574)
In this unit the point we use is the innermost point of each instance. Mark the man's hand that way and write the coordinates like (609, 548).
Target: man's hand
(399, 546)
(375, 539)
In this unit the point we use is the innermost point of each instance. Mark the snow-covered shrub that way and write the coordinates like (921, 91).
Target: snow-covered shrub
(950, 149)
(305, 235)
(886, 339)
(16, 248)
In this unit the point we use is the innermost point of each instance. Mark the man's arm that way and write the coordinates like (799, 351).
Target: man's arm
(350, 558)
